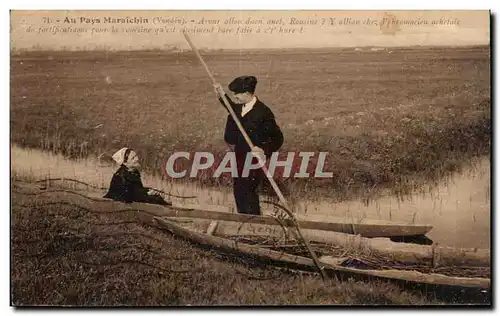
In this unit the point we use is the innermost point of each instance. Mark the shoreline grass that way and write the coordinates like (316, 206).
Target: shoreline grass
(66, 255)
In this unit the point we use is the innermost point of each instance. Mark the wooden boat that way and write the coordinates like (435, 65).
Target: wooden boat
(274, 252)
(275, 241)
(434, 256)
(364, 227)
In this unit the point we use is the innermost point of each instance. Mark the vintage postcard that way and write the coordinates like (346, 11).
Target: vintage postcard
(243, 158)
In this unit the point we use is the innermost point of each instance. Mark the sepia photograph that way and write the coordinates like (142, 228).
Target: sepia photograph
(200, 158)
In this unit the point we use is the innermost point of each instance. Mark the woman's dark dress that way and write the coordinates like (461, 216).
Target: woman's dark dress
(126, 186)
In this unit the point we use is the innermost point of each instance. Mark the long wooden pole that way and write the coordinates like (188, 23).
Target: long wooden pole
(264, 168)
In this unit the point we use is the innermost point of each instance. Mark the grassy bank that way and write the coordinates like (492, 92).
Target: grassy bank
(70, 255)
(389, 120)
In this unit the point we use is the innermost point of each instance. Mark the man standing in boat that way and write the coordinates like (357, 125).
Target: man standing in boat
(259, 123)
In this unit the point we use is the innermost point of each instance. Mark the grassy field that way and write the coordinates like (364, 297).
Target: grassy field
(395, 119)
(392, 119)
(76, 255)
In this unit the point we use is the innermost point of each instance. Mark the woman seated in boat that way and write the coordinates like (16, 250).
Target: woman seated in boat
(126, 184)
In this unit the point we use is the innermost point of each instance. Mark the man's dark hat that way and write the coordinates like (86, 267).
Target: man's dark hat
(243, 84)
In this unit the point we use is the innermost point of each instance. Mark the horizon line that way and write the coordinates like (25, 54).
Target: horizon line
(215, 50)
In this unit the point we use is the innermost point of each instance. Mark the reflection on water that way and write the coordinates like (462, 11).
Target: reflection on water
(459, 210)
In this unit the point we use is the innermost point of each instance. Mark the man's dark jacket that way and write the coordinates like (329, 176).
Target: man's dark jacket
(260, 125)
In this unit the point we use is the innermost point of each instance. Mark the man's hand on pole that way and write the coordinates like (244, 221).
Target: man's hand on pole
(219, 90)
(257, 149)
